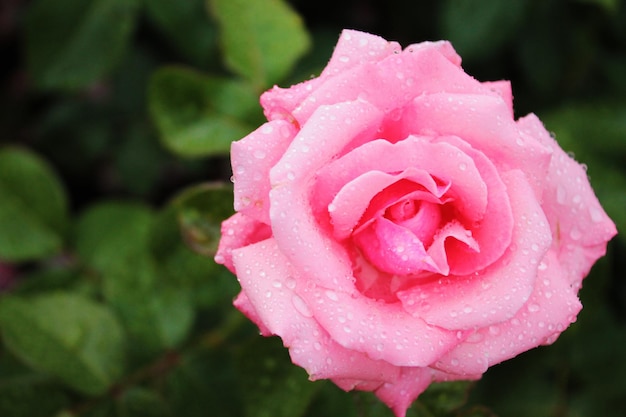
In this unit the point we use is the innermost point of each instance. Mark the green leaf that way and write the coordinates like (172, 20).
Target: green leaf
(197, 115)
(140, 402)
(201, 210)
(444, 397)
(114, 238)
(208, 283)
(111, 236)
(261, 39)
(187, 26)
(205, 383)
(25, 398)
(33, 212)
(65, 335)
(72, 43)
(271, 384)
(478, 28)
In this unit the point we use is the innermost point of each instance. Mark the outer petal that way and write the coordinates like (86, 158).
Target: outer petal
(252, 158)
(271, 287)
(295, 228)
(393, 82)
(485, 123)
(579, 224)
(498, 292)
(551, 308)
(412, 382)
(239, 231)
(381, 330)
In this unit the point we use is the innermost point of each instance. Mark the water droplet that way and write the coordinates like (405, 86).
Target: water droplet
(344, 58)
(467, 309)
(542, 266)
(300, 306)
(347, 329)
(454, 362)
(317, 346)
(575, 234)
(462, 166)
(267, 129)
(268, 294)
(331, 207)
(533, 308)
(534, 247)
(277, 284)
(291, 176)
(259, 154)
(561, 194)
(331, 295)
(290, 282)
(380, 347)
(596, 215)
(576, 199)
(494, 330)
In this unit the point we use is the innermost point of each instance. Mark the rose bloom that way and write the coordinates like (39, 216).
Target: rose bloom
(396, 226)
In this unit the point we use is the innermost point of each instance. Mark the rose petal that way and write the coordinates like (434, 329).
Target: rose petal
(499, 291)
(295, 227)
(444, 251)
(237, 231)
(441, 160)
(504, 90)
(393, 82)
(493, 231)
(352, 201)
(485, 123)
(381, 330)
(243, 304)
(412, 382)
(394, 249)
(355, 48)
(271, 287)
(252, 158)
(551, 308)
(578, 222)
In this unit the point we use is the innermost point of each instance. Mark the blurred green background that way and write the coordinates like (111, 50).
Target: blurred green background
(111, 196)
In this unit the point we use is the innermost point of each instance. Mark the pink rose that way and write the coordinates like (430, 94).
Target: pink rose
(396, 226)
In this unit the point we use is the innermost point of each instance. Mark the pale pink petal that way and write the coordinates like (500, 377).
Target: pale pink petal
(485, 123)
(279, 103)
(355, 48)
(504, 90)
(579, 224)
(493, 231)
(551, 308)
(453, 241)
(393, 82)
(445, 48)
(252, 158)
(441, 160)
(243, 304)
(238, 231)
(379, 329)
(351, 202)
(499, 291)
(271, 289)
(294, 226)
(400, 394)
(394, 249)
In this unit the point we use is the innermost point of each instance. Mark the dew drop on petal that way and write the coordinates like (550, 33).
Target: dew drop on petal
(331, 295)
(300, 306)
